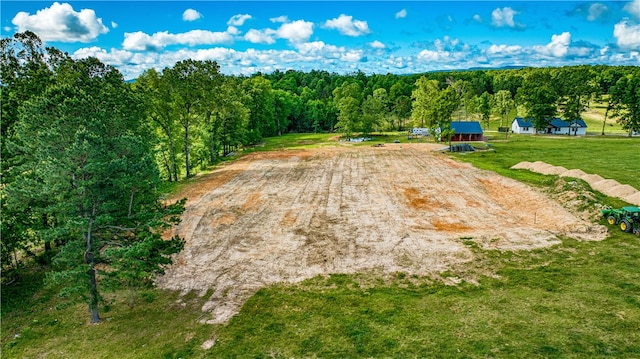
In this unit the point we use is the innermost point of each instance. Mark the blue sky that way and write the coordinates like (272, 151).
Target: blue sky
(372, 36)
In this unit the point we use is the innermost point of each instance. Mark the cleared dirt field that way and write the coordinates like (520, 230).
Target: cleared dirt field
(282, 217)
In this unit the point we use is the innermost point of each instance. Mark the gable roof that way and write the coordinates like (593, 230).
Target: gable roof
(559, 123)
(522, 122)
(467, 127)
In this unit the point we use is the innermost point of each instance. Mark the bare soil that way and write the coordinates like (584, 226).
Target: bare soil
(286, 216)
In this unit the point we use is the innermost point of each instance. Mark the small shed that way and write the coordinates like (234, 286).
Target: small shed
(467, 131)
(522, 126)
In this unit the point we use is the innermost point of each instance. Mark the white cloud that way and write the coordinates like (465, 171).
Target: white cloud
(7, 28)
(504, 18)
(238, 20)
(596, 10)
(325, 53)
(377, 45)
(139, 41)
(297, 31)
(61, 23)
(477, 18)
(347, 26)
(633, 8)
(191, 15)
(558, 47)
(401, 14)
(260, 36)
(113, 25)
(627, 35)
(282, 18)
(433, 56)
(504, 50)
(232, 30)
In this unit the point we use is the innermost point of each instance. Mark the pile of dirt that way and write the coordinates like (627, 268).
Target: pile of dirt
(609, 187)
(286, 216)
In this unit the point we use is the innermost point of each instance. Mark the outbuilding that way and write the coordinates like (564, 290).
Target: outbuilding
(467, 131)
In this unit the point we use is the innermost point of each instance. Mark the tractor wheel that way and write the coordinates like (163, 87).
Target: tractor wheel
(637, 231)
(612, 220)
(625, 226)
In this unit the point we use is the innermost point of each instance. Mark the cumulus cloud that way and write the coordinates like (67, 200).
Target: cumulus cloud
(61, 22)
(477, 18)
(346, 25)
(504, 50)
(401, 14)
(591, 12)
(596, 11)
(377, 45)
(444, 50)
(633, 8)
(504, 18)
(261, 36)
(297, 31)
(558, 47)
(140, 41)
(191, 15)
(627, 35)
(113, 25)
(238, 20)
(318, 50)
(282, 18)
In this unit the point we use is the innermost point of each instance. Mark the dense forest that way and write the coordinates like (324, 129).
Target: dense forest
(83, 150)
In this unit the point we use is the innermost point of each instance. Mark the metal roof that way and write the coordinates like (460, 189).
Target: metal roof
(466, 127)
(522, 122)
(556, 122)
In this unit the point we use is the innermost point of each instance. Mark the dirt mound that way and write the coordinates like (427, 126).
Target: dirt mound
(633, 199)
(573, 173)
(607, 186)
(286, 217)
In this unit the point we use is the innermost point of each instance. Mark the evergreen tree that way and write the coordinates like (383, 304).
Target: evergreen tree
(86, 148)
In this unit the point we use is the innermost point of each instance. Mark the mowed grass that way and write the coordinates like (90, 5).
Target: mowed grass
(617, 158)
(574, 300)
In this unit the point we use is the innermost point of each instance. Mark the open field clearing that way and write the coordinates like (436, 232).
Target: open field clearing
(286, 216)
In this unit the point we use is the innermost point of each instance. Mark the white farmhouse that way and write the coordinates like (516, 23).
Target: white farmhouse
(520, 125)
(555, 127)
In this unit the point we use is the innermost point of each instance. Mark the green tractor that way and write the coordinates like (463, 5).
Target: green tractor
(627, 218)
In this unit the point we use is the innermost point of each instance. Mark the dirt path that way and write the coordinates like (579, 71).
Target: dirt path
(282, 217)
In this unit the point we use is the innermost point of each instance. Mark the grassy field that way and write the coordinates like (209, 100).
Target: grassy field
(574, 300)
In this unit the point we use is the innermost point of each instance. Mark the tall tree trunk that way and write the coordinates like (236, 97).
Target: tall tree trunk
(93, 283)
(186, 150)
(173, 159)
(130, 203)
(606, 113)
(167, 167)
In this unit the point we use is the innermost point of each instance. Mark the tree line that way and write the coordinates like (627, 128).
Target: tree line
(83, 151)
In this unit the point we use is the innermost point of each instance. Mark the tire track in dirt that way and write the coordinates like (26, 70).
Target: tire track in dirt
(287, 216)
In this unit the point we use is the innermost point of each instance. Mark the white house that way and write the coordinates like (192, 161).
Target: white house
(560, 127)
(520, 125)
(556, 127)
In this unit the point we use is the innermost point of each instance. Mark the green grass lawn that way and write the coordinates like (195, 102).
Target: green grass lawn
(609, 156)
(574, 300)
